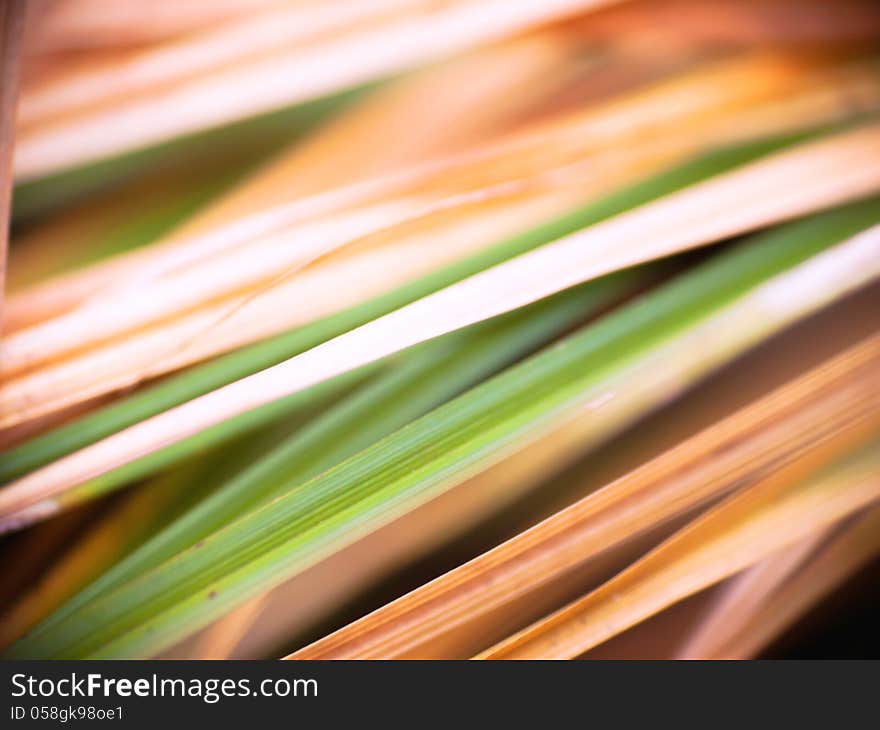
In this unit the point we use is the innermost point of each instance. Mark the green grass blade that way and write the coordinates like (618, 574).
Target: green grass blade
(204, 378)
(671, 333)
(141, 514)
(425, 377)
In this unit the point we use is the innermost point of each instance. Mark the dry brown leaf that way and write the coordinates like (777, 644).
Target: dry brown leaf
(712, 93)
(285, 77)
(735, 608)
(845, 553)
(779, 510)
